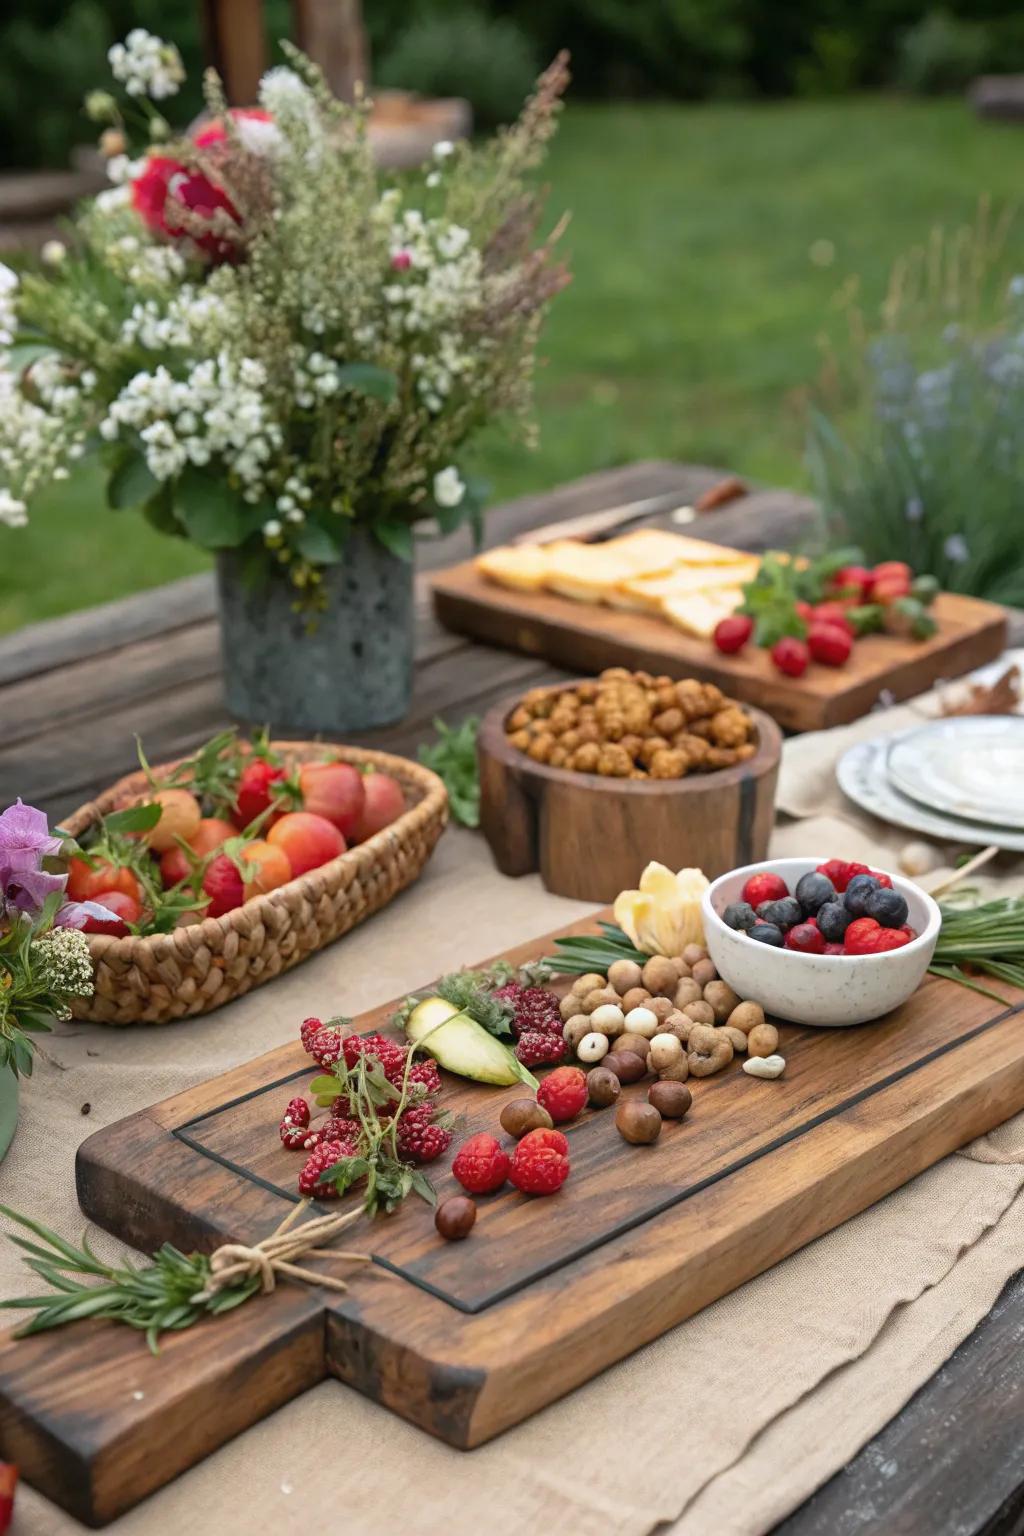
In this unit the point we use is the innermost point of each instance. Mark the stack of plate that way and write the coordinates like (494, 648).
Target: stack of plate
(959, 779)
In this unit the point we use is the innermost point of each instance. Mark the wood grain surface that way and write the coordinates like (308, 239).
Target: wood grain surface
(586, 637)
(590, 837)
(467, 1339)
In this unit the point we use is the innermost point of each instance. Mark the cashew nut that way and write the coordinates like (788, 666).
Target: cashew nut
(710, 1050)
(765, 1066)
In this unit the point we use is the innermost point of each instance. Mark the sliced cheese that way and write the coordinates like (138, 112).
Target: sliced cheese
(523, 566)
(697, 613)
(647, 593)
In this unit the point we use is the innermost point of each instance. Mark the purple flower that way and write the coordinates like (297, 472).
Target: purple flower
(73, 914)
(25, 840)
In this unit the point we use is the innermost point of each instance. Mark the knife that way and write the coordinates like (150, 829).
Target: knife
(601, 525)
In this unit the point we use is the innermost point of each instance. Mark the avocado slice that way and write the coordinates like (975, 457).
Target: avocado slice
(462, 1045)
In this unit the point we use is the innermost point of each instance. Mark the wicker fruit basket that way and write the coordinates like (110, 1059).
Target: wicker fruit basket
(192, 970)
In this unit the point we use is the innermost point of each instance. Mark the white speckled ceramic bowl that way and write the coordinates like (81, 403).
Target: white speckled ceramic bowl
(832, 990)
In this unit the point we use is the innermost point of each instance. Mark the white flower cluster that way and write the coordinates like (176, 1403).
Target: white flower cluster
(146, 65)
(195, 317)
(290, 102)
(145, 265)
(63, 958)
(438, 277)
(316, 378)
(8, 314)
(295, 496)
(449, 487)
(31, 445)
(217, 412)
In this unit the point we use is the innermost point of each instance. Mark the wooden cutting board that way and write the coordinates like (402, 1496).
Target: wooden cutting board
(584, 638)
(469, 1338)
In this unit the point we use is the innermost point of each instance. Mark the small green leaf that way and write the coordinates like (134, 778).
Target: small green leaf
(25, 352)
(396, 538)
(325, 1084)
(136, 818)
(368, 379)
(160, 513)
(316, 545)
(214, 516)
(131, 483)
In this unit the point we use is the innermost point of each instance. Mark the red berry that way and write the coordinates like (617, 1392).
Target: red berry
(535, 1049)
(538, 1167)
(292, 1136)
(911, 933)
(732, 633)
(833, 949)
(834, 614)
(125, 909)
(544, 1136)
(838, 871)
(419, 1139)
(307, 1029)
(256, 786)
(481, 1164)
(866, 937)
(535, 1010)
(882, 879)
(853, 581)
(764, 887)
(563, 1093)
(806, 939)
(426, 1075)
(829, 644)
(224, 886)
(323, 1157)
(790, 656)
(326, 1047)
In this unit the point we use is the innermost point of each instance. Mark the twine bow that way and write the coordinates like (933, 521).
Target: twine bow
(274, 1256)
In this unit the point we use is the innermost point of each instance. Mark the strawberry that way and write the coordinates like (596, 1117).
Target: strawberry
(732, 633)
(790, 656)
(256, 787)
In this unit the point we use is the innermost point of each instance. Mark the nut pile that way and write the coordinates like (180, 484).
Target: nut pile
(630, 725)
(674, 1018)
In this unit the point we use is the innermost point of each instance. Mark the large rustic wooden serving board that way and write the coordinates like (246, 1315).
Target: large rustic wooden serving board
(585, 637)
(468, 1339)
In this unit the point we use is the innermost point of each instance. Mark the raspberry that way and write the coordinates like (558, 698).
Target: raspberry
(389, 1053)
(538, 1167)
(563, 1093)
(426, 1074)
(297, 1111)
(764, 887)
(419, 1139)
(534, 1049)
(834, 949)
(325, 1047)
(307, 1029)
(866, 937)
(481, 1164)
(838, 871)
(535, 1010)
(324, 1157)
(544, 1136)
(293, 1136)
(338, 1129)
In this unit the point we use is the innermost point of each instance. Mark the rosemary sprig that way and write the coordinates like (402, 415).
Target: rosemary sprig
(156, 1298)
(585, 952)
(987, 937)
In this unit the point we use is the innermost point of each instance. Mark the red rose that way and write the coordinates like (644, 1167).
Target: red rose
(164, 178)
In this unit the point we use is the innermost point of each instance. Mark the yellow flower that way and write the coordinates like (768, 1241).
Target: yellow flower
(663, 916)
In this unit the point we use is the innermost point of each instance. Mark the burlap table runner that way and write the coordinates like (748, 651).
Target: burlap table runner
(718, 1429)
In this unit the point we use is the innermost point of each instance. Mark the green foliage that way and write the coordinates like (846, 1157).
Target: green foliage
(462, 52)
(453, 758)
(941, 52)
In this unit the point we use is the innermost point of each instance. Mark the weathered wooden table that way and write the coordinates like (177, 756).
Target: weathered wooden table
(74, 692)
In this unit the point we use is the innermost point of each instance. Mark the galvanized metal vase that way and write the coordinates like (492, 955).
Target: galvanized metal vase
(342, 670)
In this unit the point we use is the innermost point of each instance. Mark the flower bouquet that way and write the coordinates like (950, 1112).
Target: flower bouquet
(279, 354)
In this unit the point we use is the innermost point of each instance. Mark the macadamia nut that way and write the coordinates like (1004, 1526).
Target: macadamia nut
(665, 1049)
(608, 1019)
(592, 1048)
(641, 1021)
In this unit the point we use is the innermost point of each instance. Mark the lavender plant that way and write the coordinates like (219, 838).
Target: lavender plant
(931, 468)
(268, 342)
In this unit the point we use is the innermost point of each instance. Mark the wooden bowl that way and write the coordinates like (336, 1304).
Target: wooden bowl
(591, 837)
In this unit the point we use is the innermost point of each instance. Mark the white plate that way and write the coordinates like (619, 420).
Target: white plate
(863, 776)
(971, 766)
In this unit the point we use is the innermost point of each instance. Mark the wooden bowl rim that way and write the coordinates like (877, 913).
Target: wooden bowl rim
(432, 799)
(492, 739)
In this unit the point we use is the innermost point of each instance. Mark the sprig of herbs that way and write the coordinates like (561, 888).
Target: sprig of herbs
(771, 598)
(585, 952)
(453, 758)
(984, 938)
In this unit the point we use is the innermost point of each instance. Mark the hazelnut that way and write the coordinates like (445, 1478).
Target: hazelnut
(626, 1065)
(736, 1036)
(592, 1047)
(607, 1020)
(682, 969)
(641, 1021)
(575, 1028)
(640, 1045)
(570, 1004)
(746, 1017)
(722, 999)
(666, 1050)
(603, 1087)
(659, 976)
(703, 972)
(661, 1007)
(588, 983)
(687, 991)
(598, 998)
(623, 975)
(763, 1040)
(700, 1013)
(671, 1100)
(523, 1115)
(694, 952)
(636, 997)
(637, 1122)
(454, 1218)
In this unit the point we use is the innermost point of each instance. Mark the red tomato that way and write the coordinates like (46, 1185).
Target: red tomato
(832, 613)
(384, 803)
(829, 644)
(334, 791)
(223, 884)
(174, 866)
(790, 656)
(83, 882)
(805, 610)
(891, 580)
(306, 840)
(180, 816)
(255, 789)
(270, 868)
(854, 581)
(126, 909)
(732, 634)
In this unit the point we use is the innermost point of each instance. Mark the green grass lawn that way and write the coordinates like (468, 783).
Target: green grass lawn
(691, 328)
